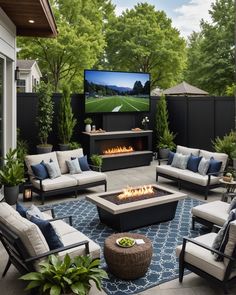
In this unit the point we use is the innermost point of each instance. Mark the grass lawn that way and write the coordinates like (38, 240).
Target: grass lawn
(116, 104)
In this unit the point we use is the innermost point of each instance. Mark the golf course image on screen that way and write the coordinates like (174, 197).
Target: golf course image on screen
(107, 91)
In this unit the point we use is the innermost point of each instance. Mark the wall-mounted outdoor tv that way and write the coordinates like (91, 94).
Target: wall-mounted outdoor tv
(116, 92)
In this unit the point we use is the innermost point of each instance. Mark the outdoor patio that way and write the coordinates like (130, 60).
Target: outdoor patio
(192, 284)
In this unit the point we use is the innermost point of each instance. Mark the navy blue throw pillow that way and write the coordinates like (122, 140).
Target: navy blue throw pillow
(83, 162)
(193, 163)
(40, 170)
(49, 233)
(21, 209)
(214, 166)
(170, 157)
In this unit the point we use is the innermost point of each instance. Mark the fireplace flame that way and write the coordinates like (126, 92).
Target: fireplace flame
(133, 192)
(118, 150)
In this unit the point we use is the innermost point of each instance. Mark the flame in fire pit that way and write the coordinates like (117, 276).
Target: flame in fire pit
(118, 150)
(133, 192)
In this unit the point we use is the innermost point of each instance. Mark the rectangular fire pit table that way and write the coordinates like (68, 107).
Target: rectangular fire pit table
(135, 214)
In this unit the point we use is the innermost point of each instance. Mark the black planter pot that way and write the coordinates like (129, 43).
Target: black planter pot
(43, 149)
(163, 153)
(64, 147)
(11, 194)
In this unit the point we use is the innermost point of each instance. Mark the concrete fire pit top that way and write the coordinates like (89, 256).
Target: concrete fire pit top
(98, 200)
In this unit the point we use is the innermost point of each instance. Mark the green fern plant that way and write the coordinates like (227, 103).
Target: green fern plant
(167, 140)
(66, 120)
(226, 145)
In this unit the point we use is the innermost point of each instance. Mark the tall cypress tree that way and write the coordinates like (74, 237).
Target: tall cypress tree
(162, 123)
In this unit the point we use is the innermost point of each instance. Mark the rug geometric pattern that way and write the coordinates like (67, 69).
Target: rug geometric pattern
(164, 236)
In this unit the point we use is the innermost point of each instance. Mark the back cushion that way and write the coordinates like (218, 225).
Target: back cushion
(36, 159)
(187, 151)
(231, 244)
(217, 156)
(29, 233)
(64, 156)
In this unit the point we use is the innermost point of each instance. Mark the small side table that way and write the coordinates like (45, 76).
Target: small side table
(230, 190)
(128, 263)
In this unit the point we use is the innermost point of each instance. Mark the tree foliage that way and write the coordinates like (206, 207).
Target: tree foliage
(143, 39)
(211, 64)
(66, 120)
(162, 123)
(79, 43)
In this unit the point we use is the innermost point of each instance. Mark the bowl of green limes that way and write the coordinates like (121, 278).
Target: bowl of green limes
(125, 242)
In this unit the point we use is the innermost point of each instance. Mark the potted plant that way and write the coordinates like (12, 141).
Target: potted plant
(145, 122)
(97, 160)
(67, 276)
(88, 122)
(66, 120)
(233, 154)
(74, 145)
(166, 144)
(11, 176)
(44, 117)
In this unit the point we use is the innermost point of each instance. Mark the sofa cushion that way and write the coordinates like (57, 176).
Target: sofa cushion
(48, 231)
(168, 170)
(232, 205)
(187, 151)
(21, 209)
(64, 156)
(53, 169)
(88, 177)
(34, 211)
(69, 235)
(231, 244)
(202, 258)
(28, 232)
(193, 163)
(214, 166)
(83, 162)
(57, 183)
(217, 156)
(170, 157)
(203, 166)
(180, 161)
(215, 212)
(40, 170)
(73, 166)
(35, 159)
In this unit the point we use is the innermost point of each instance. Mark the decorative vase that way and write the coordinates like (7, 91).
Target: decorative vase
(11, 194)
(64, 147)
(43, 149)
(163, 153)
(88, 128)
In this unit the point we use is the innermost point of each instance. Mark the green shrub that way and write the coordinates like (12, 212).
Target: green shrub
(167, 140)
(226, 145)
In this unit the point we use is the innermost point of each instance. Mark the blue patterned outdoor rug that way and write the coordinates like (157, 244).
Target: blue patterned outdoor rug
(164, 236)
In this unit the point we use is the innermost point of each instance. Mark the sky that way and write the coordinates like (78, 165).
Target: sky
(116, 78)
(185, 14)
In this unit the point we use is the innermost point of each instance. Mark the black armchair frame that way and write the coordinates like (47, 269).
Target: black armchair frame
(225, 283)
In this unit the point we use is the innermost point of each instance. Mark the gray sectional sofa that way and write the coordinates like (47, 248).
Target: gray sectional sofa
(206, 182)
(66, 182)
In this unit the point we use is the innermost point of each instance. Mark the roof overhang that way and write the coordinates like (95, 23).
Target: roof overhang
(39, 11)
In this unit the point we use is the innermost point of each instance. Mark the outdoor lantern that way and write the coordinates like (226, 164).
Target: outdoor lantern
(27, 195)
(17, 74)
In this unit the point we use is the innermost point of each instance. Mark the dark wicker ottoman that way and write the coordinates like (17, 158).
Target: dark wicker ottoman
(128, 263)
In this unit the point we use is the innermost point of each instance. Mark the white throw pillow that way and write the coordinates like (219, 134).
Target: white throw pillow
(180, 161)
(73, 166)
(34, 211)
(203, 166)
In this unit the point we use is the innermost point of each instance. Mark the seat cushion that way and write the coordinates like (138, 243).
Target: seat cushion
(64, 156)
(56, 183)
(231, 244)
(29, 233)
(35, 159)
(202, 258)
(215, 212)
(69, 235)
(187, 151)
(88, 177)
(217, 156)
(168, 170)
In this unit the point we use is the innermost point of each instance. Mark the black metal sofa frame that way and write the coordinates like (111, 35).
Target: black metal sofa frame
(18, 254)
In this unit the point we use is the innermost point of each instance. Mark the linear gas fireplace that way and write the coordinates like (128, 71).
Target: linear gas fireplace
(120, 149)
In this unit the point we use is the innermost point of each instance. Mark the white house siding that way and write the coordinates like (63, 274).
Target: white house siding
(8, 53)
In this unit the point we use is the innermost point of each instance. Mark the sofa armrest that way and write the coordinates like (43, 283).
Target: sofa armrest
(34, 258)
(161, 160)
(95, 168)
(62, 217)
(49, 209)
(185, 240)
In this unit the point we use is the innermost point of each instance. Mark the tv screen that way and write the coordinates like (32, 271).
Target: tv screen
(116, 92)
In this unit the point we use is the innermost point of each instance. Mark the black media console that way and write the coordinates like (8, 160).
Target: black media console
(140, 141)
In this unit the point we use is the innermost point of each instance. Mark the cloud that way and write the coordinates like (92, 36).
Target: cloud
(188, 16)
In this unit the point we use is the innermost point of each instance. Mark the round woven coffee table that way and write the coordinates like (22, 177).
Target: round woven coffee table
(128, 263)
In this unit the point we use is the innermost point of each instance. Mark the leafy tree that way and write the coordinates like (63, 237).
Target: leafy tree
(79, 43)
(143, 39)
(66, 120)
(211, 64)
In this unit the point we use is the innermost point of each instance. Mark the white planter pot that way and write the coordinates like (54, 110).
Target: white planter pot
(88, 128)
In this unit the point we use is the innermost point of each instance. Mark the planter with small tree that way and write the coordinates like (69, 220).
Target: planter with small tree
(45, 117)
(97, 161)
(166, 144)
(88, 122)
(67, 276)
(66, 120)
(11, 176)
